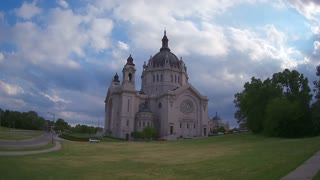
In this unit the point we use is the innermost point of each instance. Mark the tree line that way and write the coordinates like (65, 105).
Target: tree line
(32, 121)
(280, 106)
(23, 120)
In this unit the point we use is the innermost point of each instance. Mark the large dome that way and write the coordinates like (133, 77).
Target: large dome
(165, 54)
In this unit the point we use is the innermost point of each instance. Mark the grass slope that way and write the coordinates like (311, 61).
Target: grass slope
(18, 134)
(239, 156)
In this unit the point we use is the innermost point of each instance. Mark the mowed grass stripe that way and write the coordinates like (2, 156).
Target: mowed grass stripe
(238, 156)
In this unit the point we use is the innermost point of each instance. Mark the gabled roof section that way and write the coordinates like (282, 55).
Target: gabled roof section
(186, 87)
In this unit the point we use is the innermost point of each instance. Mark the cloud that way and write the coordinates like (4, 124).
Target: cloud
(270, 44)
(1, 57)
(123, 45)
(316, 47)
(99, 32)
(10, 89)
(1, 16)
(28, 10)
(63, 3)
(309, 9)
(55, 98)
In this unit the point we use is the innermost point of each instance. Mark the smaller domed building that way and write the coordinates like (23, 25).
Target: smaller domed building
(216, 122)
(166, 100)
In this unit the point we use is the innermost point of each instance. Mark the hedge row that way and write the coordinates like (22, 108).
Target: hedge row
(73, 138)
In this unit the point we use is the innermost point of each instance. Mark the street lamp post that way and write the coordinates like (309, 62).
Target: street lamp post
(53, 116)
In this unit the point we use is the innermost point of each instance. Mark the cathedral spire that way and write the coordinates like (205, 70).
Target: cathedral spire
(130, 60)
(165, 40)
(116, 78)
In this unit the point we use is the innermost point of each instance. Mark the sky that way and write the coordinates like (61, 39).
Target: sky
(59, 56)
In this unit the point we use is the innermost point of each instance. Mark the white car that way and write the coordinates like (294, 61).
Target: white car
(94, 140)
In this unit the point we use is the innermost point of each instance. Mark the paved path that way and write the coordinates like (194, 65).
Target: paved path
(20, 153)
(38, 141)
(307, 170)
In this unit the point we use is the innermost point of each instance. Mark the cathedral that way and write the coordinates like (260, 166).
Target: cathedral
(166, 100)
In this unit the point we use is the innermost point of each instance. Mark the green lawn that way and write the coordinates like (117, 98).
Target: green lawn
(238, 156)
(18, 134)
(317, 177)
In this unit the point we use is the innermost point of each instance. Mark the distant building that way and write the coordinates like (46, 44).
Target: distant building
(166, 101)
(216, 122)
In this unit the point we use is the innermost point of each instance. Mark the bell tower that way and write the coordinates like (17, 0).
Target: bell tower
(128, 73)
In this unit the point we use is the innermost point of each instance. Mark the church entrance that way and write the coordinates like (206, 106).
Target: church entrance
(186, 129)
(205, 131)
(127, 137)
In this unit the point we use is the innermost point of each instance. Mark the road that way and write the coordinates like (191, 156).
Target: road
(38, 141)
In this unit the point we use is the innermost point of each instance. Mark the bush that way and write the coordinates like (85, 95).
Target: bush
(76, 137)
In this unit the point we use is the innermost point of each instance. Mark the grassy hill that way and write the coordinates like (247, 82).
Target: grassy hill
(18, 134)
(237, 156)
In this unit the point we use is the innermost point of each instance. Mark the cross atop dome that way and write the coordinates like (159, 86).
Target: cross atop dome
(165, 40)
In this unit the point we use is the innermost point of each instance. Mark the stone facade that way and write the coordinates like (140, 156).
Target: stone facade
(166, 101)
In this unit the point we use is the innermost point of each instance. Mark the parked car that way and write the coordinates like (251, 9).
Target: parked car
(220, 133)
(94, 140)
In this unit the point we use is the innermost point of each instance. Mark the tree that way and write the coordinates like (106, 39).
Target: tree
(61, 125)
(285, 119)
(222, 129)
(260, 104)
(315, 108)
(252, 101)
(136, 135)
(149, 132)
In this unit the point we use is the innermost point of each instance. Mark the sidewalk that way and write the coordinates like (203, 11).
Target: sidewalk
(307, 170)
(19, 153)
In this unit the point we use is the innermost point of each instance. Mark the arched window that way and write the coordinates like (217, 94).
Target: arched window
(154, 78)
(161, 77)
(129, 76)
(157, 77)
(159, 105)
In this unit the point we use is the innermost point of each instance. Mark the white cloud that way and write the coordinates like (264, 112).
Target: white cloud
(99, 32)
(1, 16)
(55, 98)
(10, 89)
(123, 45)
(309, 9)
(269, 45)
(28, 10)
(63, 3)
(316, 47)
(1, 57)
